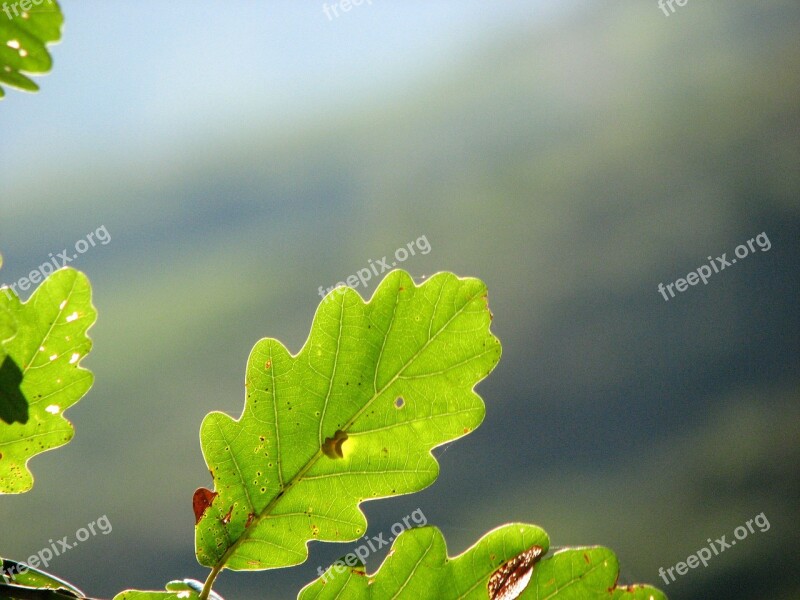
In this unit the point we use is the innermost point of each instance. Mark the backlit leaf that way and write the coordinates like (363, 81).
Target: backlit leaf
(352, 417)
(584, 574)
(43, 361)
(24, 36)
(418, 567)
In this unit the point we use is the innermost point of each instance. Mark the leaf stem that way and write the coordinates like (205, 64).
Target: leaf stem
(210, 581)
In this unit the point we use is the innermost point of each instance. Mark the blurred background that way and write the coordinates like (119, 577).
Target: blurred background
(573, 155)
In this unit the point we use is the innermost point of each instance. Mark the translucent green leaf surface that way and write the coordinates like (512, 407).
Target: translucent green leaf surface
(13, 405)
(418, 567)
(43, 362)
(352, 417)
(8, 326)
(24, 36)
(7, 329)
(584, 574)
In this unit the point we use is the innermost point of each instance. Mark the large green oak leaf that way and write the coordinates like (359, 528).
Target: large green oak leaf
(42, 364)
(352, 417)
(24, 36)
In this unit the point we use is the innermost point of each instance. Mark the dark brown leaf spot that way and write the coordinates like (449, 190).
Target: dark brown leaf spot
(510, 580)
(332, 446)
(201, 500)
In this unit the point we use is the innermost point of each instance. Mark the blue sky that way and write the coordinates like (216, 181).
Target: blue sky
(138, 77)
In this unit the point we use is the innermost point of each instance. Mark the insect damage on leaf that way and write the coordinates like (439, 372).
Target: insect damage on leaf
(332, 446)
(201, 500)
(511, 579)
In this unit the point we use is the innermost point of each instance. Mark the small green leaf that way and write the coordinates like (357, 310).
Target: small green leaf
(24, 36)
(45, 355)
(352, 417)
(418, 567)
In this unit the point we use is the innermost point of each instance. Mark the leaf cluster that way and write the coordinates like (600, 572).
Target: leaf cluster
(352, 417)
(26, 29)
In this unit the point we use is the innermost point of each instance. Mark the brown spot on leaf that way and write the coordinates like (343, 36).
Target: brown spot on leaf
(332, 446)
(201, 500)
(510, 580)
(227, 518)
(250, 518)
